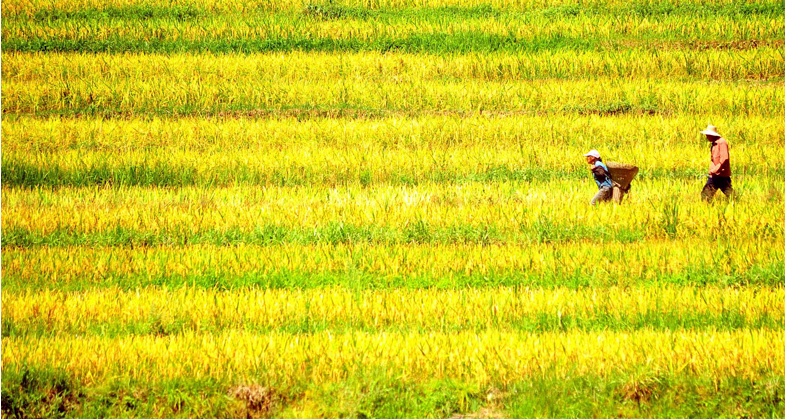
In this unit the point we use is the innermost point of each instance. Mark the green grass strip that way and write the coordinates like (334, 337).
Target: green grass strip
(335, 10)
(434, 43)
(20, 174)
(771, 273)
(544, 322)
(543, 230)
(41, 391)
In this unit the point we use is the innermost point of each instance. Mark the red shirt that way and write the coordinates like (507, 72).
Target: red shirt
(720, 159)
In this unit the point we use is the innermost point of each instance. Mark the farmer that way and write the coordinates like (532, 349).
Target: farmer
(719, 170)
(601, 176)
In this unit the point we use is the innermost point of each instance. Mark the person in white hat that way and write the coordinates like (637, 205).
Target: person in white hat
(601, 176)
(719, 169)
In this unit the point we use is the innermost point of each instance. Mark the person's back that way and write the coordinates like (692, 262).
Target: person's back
(720, 158)
(601, 175)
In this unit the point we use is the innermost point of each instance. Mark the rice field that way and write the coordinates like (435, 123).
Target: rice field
(380, 208)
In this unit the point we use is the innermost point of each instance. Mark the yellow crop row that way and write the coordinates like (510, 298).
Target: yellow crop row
(485, 307)
(625, 263)
(508, 209)
(477, 357)
(450, 144)
(629, 136)
(369, 30)
(762, 62)
(199, 84)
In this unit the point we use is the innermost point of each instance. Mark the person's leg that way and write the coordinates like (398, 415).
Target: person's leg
(727, 188)
(708, 190)
(603, 195)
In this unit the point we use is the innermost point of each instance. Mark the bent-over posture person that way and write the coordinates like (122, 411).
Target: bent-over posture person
(600, 172)
(719, 169)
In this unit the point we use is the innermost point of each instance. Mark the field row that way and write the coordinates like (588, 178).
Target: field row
(331, 174)
(333, 27)
(478, 213)
(415, 231)
(330, 152)
(553, 138)
(449, 140)
(431, 33)
(484, 357)
(153, 310)
(59, 9)
(639, 392)
(372, 266)
(184, 84)
(761, 62)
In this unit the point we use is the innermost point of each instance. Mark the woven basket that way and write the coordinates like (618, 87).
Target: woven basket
(622, 174)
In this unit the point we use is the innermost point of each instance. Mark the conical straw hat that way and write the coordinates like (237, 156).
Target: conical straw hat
(711, 130)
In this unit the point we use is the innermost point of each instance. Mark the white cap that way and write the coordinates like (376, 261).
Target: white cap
(593, 153)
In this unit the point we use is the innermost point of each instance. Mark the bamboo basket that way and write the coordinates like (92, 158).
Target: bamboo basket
(621, 175)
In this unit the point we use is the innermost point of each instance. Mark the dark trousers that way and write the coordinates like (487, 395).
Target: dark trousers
(713, 184)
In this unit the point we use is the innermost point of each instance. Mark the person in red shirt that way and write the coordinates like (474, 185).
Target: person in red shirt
(719, 170)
